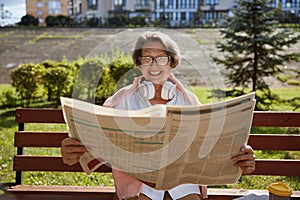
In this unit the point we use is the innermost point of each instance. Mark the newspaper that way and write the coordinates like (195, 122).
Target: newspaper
(164, 145)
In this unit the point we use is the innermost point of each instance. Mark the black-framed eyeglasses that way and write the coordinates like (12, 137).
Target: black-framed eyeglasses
(148, 60)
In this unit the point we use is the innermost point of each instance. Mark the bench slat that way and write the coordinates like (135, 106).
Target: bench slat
(48, 163)
(279, 142)
(260, 118)
(54, 163)
(37, 115)
(277, 167)
(257, 141)
(39, 139)
(276, 119)
(50, 192)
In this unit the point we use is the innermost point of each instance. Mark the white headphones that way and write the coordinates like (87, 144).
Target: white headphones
(147, 90)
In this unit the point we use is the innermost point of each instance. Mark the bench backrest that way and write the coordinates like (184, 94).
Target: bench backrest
(24, 138)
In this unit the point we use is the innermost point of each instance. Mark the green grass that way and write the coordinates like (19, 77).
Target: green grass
(4, 87)
(7, 150)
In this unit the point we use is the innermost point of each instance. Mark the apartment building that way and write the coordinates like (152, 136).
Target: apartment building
(290, 7)
(107, 8)
(43, 8)
(174, 12)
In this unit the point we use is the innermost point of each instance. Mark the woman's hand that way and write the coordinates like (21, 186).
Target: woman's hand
(246, 160)
(71, 150)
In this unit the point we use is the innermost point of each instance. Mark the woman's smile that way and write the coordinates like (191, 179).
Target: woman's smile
(155, 73)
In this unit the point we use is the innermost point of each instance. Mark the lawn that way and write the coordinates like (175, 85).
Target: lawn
(7, 149)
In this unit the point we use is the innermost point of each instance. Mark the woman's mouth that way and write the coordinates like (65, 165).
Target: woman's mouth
(155, 73)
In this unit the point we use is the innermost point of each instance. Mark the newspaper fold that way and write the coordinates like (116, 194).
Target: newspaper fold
(164, 145)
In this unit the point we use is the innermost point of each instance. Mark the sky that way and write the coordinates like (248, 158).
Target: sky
(14, 10)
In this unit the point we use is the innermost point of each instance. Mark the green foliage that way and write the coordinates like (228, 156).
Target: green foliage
(119, 73)
(293, 82)
(253, 48)
(96, 79)
(28, 20)
(90, 75)
(58, 79)
(59, 21)
(92, 22)
(26, 81)
(8, 99)
(282, 78)
(118, 21)
(138, 21)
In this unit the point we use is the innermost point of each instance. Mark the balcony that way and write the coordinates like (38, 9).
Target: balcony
(142, 8)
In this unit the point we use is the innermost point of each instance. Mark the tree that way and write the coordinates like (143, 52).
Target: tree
(254, 48)
(28, 20)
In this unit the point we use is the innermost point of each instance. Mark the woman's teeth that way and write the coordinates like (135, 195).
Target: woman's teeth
(155, 73)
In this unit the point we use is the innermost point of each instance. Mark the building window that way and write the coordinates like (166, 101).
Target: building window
(120, 2)
(212, 2)
(40, 12)
(39, 4)
(92, 4)
(54, 7)
(41, 20)
(183, 16)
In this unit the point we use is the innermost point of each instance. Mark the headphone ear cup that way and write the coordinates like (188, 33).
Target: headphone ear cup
(146, 90)
(168, 90)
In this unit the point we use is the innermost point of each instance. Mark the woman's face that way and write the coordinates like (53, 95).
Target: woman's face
(154, 72)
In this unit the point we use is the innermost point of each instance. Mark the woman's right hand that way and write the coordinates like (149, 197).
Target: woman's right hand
(71, 150)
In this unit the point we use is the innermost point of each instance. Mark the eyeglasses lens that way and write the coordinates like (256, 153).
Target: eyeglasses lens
(162, 60)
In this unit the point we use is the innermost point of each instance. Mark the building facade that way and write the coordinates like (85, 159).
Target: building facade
(43, 8)
(173, 12)
(290, 7)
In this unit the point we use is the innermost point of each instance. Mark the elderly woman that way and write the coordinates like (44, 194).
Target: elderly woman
(155, 54)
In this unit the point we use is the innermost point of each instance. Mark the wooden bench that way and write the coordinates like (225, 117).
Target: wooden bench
(26, 138)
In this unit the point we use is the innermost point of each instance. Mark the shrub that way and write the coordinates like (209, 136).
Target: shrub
(92, 22)
(58, 79)
(59, 21)
(8, 99)
(118, 21)
(28, 20)
(26, 81)
(138, 21)
(89, 76)
(119, 73)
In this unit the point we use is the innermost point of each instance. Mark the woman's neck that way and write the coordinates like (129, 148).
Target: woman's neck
(157, 97)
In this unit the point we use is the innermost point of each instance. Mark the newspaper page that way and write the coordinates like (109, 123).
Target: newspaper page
(164, 145)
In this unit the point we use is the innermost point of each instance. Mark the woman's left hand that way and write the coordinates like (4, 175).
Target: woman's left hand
(245, 160)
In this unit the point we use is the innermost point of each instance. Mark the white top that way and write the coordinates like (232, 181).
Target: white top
(134, 101)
